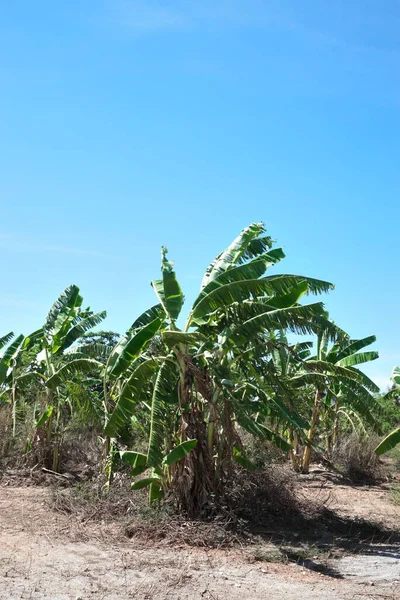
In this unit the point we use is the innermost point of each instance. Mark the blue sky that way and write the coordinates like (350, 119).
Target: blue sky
(126, 125)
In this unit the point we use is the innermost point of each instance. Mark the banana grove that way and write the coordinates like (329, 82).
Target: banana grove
(174, 396)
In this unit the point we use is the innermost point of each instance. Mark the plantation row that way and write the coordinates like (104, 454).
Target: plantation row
(176, 403)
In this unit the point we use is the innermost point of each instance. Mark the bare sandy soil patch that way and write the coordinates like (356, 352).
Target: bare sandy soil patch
(45, 554)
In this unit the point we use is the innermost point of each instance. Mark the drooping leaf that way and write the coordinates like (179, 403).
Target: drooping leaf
(238, 291)
(259, 430)
(389, 442)
(136, 460)
(300, 319)
(143, 483)
(80, 366)
(180, 452)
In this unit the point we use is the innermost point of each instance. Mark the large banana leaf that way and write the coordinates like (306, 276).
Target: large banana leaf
(239, 291)
(61, 315)
(300, 319)
(8, 355)
(173, 338)
(129, 396)
(81, 327)
(389, 442)
(233, 253)
(366, 381)
(349, 347)
(130, 347)
(251, 270)
(80, 366)
(94, 350)
(5, 339)
(155, 312)
(163, 388)
(256, 247)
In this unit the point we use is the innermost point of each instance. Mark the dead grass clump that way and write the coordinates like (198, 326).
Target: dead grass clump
(5, 431)
(80, 452)
(90, 501)
(264, 496)
(356, 458)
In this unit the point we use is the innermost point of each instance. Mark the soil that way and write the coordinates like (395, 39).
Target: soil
(48, 554)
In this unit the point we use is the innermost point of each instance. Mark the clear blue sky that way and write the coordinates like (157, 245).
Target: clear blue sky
(126, 125)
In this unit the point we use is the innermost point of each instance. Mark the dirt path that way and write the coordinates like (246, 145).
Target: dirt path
(44, 554)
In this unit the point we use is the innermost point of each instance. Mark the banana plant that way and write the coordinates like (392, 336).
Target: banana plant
(339, 385)
(57, 363)
(195, 389)
(393, 439)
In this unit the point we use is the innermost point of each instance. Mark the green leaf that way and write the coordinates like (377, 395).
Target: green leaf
(81, 327)
(168, 289)
(351, 347)
(251, 270)
(389, 442)
(242, 460)
(300, 319)
(142, 483)
(149, 315)
(164, 386)
(45, 416)
(358, 359)
(290, 299)
(173, 338)
(259, 430)
(61, 317)
(129, 396)
(79, 366)
(94, 350)
(5, 339)
(180, 452)
(5, 360)
(238, 291)
(136, 460)
(233, 253)
(396, 375)
(130, 347)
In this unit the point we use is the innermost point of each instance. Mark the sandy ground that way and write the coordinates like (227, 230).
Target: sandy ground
(45, 554)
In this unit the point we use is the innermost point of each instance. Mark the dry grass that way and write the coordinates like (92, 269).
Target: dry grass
(356, 458)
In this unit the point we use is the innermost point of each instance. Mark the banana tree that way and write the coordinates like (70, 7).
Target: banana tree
(57, 363)
(339, 386)
(393, 439)
(196, 389)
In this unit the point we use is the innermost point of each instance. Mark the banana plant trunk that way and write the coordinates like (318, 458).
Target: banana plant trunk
(311, 434)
